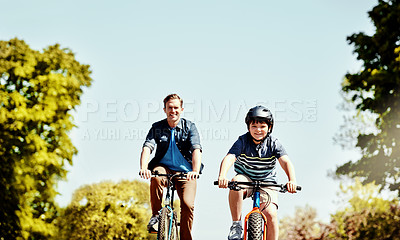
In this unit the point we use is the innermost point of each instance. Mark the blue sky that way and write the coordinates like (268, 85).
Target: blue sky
(222, 57)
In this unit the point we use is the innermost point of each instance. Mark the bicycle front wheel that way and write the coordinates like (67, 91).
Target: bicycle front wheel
(255, 226)
(165, 225)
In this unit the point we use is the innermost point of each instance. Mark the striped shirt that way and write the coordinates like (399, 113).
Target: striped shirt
(258, 162)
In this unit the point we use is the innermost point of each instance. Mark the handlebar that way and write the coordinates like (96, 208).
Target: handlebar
(169, 175)
(234, 185)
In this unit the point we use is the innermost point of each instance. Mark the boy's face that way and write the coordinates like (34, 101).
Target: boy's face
(258, 130)
(173, 110)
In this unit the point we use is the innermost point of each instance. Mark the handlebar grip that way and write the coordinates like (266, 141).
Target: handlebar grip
(298, 188)
(215, 182)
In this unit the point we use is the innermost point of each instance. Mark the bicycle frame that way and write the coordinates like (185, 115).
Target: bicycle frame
(169, 197)
(233, 185)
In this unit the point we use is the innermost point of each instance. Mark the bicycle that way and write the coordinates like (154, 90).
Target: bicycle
(255, 222)
(168, 226)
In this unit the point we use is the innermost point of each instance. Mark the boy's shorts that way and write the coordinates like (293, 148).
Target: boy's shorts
(263, 193)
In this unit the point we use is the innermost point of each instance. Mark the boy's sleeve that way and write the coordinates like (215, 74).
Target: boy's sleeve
(279, 149)
(236, 149)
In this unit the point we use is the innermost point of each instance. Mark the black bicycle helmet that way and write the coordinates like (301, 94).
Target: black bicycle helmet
(260, 114)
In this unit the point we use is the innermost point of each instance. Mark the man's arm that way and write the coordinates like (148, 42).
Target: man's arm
(194, 139)
(196, 164)
(288, 167)
(144, 163)
(226, 164)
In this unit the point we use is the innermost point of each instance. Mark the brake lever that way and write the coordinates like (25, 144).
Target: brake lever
(234, 186)
(284, 189)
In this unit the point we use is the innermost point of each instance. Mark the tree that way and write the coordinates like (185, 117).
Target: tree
(107, 211)
(375, 93)
(38, 91)
(365, 215)
(303, 226)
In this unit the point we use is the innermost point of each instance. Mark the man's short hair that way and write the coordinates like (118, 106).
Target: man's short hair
(172, 96)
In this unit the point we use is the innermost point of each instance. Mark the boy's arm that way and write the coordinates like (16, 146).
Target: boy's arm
(226, 163)
(144, 163)
(288, 167)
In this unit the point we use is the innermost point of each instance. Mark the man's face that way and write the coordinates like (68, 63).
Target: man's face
(258, 130)
(173, 109)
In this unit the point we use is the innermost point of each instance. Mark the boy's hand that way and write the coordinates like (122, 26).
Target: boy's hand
(291, 186)
(222, 182)
(145, 173)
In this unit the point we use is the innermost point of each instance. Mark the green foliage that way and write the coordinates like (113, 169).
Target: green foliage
(303, 226)
(38, 90)
(107, 211)
(375, 92)
(365, 215)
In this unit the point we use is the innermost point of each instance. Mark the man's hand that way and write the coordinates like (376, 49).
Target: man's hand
(222, 182)
(145, 173)
(192, 175)
(291, 186)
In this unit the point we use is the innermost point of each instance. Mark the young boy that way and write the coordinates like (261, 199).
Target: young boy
(255, 156)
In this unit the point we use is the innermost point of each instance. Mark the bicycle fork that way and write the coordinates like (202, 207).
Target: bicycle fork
(168, 203)
(256, 209)
(171, 217)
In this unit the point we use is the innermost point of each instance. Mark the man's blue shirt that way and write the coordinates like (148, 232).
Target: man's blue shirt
(173, 158)
(187, 139)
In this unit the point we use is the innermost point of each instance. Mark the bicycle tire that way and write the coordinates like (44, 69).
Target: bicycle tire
(164, 223)
(255, 225)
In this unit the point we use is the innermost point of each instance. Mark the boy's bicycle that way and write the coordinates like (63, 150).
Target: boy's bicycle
(168, 226)
(255, 222)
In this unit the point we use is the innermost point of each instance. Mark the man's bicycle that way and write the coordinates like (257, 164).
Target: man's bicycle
(255, 222)
(168, 226)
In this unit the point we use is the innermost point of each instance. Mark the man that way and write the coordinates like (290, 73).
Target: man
(178, 149)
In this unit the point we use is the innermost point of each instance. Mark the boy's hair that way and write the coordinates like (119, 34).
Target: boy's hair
(260, 114)
(172, 96)
(257, 121)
